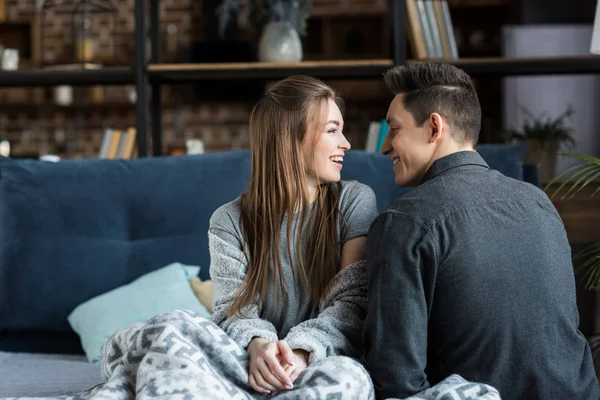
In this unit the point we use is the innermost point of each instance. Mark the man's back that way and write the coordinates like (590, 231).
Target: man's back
(498, 286)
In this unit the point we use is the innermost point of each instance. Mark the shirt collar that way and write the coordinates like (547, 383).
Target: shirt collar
(454, 160)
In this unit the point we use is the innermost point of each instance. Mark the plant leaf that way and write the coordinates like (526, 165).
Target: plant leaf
(590, 166)
(586, 172)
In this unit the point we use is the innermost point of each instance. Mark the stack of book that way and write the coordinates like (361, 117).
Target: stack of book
(376, 136)
(430, 30)
(118, 144)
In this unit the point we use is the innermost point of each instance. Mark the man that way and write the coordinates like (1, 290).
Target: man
(470, 273)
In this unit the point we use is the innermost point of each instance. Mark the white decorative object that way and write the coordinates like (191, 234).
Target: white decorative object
(63, 95)
(131, 94)
(5, 148)
(280, 43)
(10, 59)
(595, 48)
(194, 146)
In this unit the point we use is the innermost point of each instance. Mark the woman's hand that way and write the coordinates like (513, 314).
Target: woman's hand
(300, 359)
(266, 373)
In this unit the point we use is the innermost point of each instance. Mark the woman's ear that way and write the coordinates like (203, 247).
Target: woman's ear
(437, 127)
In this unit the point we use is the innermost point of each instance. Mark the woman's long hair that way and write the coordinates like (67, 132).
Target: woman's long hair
(278, 125)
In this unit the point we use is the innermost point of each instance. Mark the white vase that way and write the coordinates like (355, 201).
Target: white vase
(279, 42)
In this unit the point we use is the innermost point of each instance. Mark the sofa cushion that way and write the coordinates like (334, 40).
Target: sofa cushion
(75, 229)
(505, 158)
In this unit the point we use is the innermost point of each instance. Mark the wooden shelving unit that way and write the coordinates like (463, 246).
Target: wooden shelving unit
(148, 78)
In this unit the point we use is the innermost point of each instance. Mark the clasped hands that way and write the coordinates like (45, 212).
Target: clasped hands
(274, 366)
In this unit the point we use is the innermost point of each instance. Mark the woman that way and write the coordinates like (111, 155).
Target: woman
(285, 256)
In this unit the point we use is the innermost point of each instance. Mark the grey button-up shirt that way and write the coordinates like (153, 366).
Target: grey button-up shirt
(470, 273)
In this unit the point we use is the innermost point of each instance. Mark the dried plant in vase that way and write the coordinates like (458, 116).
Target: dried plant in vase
(279, 21)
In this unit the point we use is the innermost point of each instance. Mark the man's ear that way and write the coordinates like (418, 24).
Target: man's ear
(436, 123)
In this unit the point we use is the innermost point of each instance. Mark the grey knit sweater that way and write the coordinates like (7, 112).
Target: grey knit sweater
(335, 328)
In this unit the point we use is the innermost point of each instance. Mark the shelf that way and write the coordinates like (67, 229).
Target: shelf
(81, 77)
(339, 69)
(180, 73)
(345, 69)
(504, 66)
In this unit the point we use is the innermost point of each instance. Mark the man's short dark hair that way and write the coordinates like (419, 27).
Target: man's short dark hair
(441, 88)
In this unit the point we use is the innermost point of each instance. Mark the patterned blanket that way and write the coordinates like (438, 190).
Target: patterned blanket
(179, 355)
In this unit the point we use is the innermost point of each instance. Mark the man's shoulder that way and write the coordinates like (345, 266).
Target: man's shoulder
(423, 203)
(437, 198)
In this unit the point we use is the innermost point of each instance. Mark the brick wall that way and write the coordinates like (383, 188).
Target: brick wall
(34, 124)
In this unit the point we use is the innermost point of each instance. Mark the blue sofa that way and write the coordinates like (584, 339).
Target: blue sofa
(75, 229)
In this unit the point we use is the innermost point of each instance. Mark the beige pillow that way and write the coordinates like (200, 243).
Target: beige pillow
(204, 291)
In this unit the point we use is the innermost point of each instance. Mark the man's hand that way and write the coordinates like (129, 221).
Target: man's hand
(300, 362)
(266, 373)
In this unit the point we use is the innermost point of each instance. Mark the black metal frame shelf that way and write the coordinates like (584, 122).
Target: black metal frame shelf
(148, 78)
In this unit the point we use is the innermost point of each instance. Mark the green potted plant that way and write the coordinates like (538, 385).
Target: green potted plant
(280, 23)
(587, 261)
(545, 135)
(573, 180)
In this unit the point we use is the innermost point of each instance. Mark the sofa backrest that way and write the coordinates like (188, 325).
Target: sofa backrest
(74, 229)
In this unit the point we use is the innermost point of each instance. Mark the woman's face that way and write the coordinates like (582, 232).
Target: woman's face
(324, 147)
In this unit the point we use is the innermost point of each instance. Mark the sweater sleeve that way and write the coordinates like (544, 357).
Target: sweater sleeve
(228, 268)
(337, 328)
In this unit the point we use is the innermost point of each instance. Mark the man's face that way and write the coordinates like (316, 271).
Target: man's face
(409, 146)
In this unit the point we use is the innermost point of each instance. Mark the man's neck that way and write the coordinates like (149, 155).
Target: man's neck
(451, 147)
(446, 149)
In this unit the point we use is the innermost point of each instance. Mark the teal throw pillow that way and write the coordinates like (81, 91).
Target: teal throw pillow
(164, 289)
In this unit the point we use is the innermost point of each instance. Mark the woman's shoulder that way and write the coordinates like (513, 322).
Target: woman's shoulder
(227, 216)
(351, 189)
